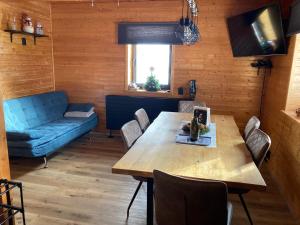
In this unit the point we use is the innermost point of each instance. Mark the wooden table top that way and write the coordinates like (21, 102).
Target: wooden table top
(230, 162)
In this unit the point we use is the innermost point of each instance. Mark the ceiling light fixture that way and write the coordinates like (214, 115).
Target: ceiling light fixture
(187, 29)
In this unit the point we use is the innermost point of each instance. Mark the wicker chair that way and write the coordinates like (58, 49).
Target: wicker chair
(181, 201)
(130, 132)
(143, 119)
(188, 106)
(258, 144)
(252, 124)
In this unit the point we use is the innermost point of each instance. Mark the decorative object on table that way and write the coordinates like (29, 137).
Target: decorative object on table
(8, 210)
(204, 115)
(203, 129)
(186, 128)
(152, 84)
(187, 29)
(27, 25)
(39, 28)
(206, 135)
(298, 112)
(133, 86)
(192, 89)
(12, 25)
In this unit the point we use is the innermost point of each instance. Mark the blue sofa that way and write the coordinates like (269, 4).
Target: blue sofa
(36, 126)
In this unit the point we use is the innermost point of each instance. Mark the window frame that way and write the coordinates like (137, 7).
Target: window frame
(164, 87)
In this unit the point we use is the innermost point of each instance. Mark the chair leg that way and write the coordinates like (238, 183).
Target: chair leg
(45, 162)
(134, 195)
(245, 208)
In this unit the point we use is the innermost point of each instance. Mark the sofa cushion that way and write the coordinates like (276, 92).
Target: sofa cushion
(51, 131)
(49, 147)
(33, 111)
(80, 107)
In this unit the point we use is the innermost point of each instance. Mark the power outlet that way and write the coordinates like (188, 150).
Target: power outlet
(24, 41)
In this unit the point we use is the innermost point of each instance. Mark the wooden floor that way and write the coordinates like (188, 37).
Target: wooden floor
(78, 188)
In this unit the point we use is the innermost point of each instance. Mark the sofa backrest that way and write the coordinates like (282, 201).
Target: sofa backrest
(33, 111)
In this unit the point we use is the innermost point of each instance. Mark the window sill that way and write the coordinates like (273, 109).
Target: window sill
(293, 115)
(150, 93)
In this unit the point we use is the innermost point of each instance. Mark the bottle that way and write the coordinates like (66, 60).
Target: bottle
(192, 89)
(194, 131)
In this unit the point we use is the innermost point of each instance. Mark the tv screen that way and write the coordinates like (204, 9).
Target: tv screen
(257, 33)
(294, 26)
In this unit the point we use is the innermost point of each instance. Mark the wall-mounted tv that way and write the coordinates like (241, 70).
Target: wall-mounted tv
(258, 32)
(294, 26)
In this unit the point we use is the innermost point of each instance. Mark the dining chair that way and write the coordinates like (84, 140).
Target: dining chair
(252, 124)
(143, 119)
(130, 132)
(180, 201)
(258, 144)
(188, 106)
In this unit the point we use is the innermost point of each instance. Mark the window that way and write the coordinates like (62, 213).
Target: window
(147, 56)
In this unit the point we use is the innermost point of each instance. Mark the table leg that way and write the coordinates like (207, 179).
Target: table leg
(149, 201)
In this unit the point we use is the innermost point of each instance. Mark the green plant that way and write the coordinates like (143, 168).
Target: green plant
(152, 84)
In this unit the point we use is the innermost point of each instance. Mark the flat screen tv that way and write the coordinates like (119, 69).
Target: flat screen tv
(257, 33)
(294, 26)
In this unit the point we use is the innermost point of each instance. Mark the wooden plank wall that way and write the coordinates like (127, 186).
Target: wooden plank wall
(293, 100)
(25, 70)
(89, 64)
(4, 161)
(281, 93)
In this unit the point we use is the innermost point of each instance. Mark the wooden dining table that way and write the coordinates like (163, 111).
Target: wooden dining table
(156, 149)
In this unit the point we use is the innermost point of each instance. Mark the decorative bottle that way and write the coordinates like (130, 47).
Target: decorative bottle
(194, 129)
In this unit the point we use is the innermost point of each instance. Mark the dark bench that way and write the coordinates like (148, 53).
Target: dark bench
(120, 109)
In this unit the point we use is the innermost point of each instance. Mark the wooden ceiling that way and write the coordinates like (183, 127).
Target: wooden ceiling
(101, 1)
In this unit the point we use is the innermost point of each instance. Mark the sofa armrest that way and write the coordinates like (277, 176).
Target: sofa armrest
(80, 107)
(24, 135)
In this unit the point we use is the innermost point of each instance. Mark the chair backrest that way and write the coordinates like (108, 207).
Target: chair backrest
(258, 144)
(253, 123)
(130, 132)
(181, 201)
(143, 119)
(188, 106)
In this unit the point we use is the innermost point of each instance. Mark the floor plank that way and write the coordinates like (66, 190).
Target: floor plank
(78, 188)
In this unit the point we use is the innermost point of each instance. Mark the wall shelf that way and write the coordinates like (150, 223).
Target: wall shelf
(34, 35)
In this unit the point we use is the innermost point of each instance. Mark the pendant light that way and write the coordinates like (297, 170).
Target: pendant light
(187, 29)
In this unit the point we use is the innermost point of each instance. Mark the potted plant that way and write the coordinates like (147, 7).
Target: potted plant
(152, 84)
